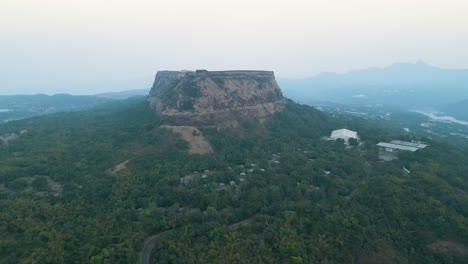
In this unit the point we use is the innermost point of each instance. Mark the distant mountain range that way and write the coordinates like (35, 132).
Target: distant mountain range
(57, 100)
(407, 86)
(22, 106)
(14, 107)
(404, 85)
(124, 94)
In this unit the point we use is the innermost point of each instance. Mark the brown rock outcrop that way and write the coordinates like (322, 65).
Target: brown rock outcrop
(215, 98)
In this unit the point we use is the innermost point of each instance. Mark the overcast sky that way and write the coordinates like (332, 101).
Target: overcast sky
(92, 46)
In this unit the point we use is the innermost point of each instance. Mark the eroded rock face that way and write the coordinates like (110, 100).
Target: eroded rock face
(215, 98)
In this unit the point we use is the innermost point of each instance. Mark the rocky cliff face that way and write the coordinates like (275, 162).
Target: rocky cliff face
(215, 98)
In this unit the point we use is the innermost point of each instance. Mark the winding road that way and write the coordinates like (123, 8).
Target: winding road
(150, 242)
(148, 246)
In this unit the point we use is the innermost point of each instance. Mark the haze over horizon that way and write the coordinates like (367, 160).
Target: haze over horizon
(88, 47)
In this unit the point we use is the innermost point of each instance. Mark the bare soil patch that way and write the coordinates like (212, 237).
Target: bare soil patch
(56, 187)
(381, 252)
(7, 138)
(198, 144)
(119, 167)
(450, 247)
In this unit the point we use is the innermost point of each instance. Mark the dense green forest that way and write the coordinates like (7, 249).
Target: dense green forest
(91, 186)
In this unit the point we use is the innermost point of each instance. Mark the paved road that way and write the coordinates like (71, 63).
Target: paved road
(148, 247)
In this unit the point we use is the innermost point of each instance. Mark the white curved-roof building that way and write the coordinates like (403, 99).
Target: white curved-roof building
(344, 134)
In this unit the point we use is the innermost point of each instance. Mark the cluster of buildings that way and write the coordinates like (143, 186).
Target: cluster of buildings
(391, 147)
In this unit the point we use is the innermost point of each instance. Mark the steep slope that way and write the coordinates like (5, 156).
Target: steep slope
(215, 98)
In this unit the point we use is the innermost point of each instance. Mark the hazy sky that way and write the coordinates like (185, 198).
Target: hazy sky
(91, 46)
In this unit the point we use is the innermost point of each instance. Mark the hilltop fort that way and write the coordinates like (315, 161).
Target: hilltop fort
(215, 98)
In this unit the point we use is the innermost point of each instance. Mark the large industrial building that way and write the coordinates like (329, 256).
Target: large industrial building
(397, 145)
(344, 134)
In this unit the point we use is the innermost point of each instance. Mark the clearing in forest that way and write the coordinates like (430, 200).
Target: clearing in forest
(197, 142)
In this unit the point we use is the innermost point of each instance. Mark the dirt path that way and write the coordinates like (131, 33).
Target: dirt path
(241, 223)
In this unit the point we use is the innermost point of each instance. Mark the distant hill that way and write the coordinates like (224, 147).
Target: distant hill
(13, 107)
(22, 106)
(405, 85)
(124, 94)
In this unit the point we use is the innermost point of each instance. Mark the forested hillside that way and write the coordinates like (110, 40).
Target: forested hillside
(91, 186)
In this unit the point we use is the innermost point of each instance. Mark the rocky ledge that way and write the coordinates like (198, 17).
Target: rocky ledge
(215, 98)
